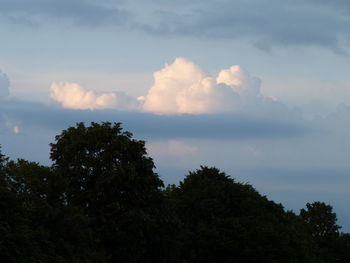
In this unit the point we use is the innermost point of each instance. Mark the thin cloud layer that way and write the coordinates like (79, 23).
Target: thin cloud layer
(78, 12)
(175, 148)
(73, 96)
(151, 126)
(266, 23)
(4, 85)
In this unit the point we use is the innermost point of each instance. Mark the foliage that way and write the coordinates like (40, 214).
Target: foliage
(57, 236)
(223, 220)
(321, 220)
(101, 201)
(321, 224)
(109, 176)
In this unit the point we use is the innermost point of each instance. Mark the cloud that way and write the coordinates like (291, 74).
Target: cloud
(172, 148)
(184, 88)
(73, 96)
(265, 24)
(151, 126)
(16, 129)
(79, 12)
(181, 87)
(4, 85)
(8, 125)
(239, 80)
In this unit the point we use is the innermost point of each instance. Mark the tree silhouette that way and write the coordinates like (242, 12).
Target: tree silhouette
(102, 202)
(225, 221)
(321, 222)
(108, 174)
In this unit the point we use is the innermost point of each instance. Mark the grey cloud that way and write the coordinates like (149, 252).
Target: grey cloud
(38, 124)
(82, 12)
(266, 23)
(150, 126)
(343, 5)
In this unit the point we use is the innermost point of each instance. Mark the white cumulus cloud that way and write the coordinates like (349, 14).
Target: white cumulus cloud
(183, 87)
(74, 96)
(239, 80)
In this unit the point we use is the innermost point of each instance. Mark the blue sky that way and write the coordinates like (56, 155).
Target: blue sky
(259, 89)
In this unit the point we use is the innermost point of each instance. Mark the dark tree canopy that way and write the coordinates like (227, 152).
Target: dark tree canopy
(102, 202)
(321, 223)
(226, 221)
(109, 175)
(321, 219)
(93, 158)
(54, 224)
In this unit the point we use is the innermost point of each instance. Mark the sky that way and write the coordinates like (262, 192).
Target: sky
(258, 88)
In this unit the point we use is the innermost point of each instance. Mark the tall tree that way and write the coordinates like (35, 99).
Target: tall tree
(225, 221)
(19, 241)
(109, 175)
(62, 232)
(322, 225)
(342, 252)
(321, 220)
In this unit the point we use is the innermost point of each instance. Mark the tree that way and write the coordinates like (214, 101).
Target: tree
(19, 242)
(321, 222)
(61, 231)
(342, 252)
(321, 219)
(225, 221)
(108, 174)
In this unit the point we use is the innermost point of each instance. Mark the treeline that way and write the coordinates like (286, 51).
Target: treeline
(101, 201)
